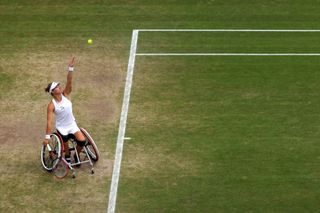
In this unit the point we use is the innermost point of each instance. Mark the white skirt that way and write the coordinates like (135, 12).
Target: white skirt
(66, 130)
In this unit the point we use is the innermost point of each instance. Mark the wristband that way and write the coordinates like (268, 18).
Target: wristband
(71, 69)
(47, 137)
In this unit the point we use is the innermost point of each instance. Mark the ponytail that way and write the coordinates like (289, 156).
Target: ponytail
(47, 89)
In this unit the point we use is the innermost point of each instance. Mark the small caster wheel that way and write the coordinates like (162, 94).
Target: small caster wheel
(92, 172)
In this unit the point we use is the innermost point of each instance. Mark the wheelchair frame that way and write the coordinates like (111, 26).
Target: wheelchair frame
(52, 154)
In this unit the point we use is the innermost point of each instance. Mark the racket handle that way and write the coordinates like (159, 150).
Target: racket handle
(49, 148)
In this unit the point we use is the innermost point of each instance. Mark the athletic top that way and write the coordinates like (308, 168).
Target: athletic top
(63, 111)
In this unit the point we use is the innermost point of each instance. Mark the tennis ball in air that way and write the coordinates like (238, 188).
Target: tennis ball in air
(90, 41)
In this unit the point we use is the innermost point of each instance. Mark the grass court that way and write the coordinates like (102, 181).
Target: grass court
(209, 133)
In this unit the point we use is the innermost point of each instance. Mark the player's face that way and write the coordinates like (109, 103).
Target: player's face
(57, 90)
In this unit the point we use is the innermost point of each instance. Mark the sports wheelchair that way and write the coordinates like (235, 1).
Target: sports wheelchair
(52, 154)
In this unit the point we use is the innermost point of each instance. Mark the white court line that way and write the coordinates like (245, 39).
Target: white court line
(228, 54)
(122, 125)
(228, 30)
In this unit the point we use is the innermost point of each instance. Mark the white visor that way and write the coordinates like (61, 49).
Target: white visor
(53, 86)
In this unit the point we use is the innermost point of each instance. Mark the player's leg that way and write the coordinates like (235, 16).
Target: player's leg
(65, 139)
(81, 140)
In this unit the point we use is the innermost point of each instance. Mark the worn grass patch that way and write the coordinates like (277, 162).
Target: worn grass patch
(141, 160)
(97, 85)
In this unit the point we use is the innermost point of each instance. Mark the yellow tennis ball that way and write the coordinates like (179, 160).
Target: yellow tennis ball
(90, 41)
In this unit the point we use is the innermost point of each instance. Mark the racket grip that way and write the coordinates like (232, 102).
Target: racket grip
(49, 148)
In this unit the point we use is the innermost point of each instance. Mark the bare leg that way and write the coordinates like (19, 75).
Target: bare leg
(80, 137)
(66, 149)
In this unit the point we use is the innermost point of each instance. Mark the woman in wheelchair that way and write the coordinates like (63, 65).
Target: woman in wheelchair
(61, 106)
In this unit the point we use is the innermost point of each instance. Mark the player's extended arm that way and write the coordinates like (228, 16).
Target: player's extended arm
(68, 88)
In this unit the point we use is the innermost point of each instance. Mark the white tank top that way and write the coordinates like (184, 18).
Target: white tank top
(63, 111)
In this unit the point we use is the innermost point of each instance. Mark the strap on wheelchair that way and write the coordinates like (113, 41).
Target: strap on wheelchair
(81, 143)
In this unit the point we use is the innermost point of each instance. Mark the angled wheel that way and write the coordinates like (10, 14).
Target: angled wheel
(51, 153)
(91, 146)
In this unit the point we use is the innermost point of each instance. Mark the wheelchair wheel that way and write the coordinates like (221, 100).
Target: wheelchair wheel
(51, 153)
(91, 146)
(61, 169)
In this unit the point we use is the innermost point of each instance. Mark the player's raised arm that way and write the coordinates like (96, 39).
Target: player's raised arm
(68, 88)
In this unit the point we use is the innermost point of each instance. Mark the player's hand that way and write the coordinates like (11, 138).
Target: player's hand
(72, 62)
(46, 142)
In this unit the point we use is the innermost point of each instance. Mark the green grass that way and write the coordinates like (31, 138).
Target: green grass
(229, 42)
(222, 134)
(231, 134)
(5, 83)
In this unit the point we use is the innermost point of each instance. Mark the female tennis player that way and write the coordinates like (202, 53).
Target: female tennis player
(61, 106)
